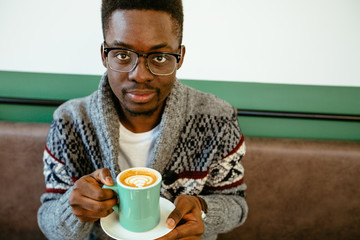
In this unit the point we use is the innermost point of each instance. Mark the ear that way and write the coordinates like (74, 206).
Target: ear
(182, 57)
(103, 57)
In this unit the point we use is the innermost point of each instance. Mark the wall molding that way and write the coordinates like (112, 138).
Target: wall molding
(240, 112)
(264, 110)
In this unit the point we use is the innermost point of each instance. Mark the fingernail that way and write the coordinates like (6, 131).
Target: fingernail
(109, 181)
(170, 223)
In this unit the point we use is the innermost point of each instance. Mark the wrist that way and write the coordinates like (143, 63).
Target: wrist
(202, 204)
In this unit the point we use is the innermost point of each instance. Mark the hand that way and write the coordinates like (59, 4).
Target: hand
(88, 200)
(187, 219)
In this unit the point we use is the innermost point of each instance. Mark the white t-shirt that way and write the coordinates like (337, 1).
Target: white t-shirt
(136, 149)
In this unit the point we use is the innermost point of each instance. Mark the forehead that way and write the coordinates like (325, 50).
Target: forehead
(142, 29)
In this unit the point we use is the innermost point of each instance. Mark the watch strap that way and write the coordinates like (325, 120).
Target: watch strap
(203, 204)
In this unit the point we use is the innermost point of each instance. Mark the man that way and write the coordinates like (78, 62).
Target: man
(141, 115)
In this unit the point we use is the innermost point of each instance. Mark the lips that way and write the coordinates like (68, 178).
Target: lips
(140, 95)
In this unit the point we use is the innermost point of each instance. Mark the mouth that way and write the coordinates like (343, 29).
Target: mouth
(141, 95)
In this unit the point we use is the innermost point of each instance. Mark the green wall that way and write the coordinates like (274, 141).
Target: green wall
(243, 95)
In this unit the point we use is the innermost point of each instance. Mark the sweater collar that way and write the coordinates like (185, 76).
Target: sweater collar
(106, 122)
(172, 122)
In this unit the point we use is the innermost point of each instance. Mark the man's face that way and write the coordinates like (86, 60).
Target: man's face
(140, 92)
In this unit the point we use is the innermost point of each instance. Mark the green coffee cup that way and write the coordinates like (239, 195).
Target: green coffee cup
(139, 193)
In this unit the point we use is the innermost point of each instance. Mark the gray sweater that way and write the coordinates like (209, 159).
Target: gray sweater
(198, 152)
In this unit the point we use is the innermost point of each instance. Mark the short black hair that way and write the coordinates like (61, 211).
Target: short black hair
(172, 7)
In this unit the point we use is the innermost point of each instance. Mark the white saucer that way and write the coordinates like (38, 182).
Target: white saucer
(112, 227)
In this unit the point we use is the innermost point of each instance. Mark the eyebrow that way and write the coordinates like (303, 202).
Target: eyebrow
(117, 43)
(122, 44)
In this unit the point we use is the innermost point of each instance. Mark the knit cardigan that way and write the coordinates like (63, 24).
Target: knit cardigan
(198, 152)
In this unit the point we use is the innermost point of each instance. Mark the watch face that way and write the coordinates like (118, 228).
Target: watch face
(203, 215)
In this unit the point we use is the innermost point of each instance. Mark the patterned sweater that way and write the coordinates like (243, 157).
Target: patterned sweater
(198, 152)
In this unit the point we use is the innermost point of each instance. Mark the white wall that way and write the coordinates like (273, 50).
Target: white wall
(279, 41)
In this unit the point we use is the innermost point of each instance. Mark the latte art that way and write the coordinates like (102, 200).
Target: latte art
(139, 180)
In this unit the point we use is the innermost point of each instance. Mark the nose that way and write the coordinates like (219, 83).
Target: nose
(141, 73)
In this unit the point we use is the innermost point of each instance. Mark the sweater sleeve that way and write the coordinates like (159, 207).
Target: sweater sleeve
(55, 217)
(224, 190)
(56, 220)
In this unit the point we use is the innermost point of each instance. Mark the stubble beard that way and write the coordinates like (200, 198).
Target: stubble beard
(147, 113)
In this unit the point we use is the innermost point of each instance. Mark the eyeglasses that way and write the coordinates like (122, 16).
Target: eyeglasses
(126, 60)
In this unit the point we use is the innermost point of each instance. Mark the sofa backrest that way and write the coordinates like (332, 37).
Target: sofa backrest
(301, 189)
(22, 180)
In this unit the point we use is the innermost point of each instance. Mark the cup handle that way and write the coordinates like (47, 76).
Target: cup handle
(115, 189)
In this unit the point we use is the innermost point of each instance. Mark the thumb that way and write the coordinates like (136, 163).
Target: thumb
(103, 176)
(183, 205)
(174, 218)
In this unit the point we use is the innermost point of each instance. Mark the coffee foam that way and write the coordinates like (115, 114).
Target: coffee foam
(138, 178)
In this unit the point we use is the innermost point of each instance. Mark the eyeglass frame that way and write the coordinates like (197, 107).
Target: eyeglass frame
(106, 51)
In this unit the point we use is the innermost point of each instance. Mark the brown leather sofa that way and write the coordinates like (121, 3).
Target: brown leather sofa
(297, 189)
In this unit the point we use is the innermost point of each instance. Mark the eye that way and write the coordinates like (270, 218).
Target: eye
(160, 58)
(123, 56)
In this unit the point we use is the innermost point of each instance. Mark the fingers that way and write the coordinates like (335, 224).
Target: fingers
(92, 205)
(187, 219)
(87, 186)
(88, 200)
(91, 215)
(185, 231)
(89, 210)
(183, 204)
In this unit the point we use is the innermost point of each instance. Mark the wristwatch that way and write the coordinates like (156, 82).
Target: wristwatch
(203, 215)
(204, 207)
